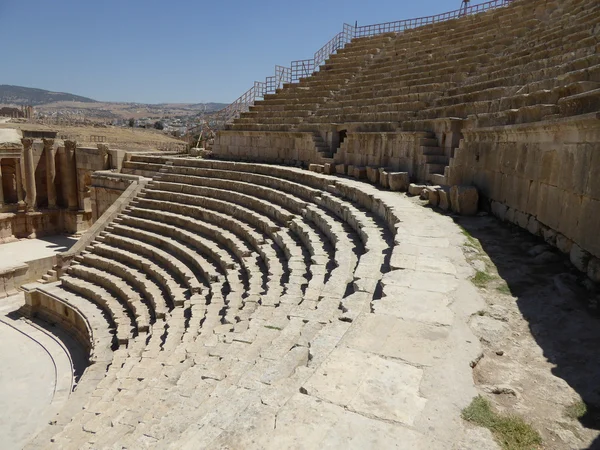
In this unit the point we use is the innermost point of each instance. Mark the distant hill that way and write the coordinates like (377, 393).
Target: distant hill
(210, 107)
(20, 95)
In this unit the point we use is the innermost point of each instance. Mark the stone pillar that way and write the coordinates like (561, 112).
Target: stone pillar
(19, 182)
(50, 172)
(70, 175)
(29, 174)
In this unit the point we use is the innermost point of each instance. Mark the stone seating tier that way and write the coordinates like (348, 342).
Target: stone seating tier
(226, 263)
(487, 69)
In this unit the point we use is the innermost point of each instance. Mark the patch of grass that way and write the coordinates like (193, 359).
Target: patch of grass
(576, 410)
(471, 241)
(271, 327)
(481, 279)
(504, 289)
(510, 431)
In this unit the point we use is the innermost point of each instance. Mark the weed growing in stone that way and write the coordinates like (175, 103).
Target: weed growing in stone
(481, 279)
(510, 431)
(576, 410)
(504, 289)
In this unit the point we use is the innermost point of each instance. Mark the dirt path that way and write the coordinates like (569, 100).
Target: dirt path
(540, 332)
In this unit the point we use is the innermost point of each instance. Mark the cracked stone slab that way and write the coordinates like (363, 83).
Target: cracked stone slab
(374, 386)
(306, 422)
(412, 304)
(415, 343)
(426, 281)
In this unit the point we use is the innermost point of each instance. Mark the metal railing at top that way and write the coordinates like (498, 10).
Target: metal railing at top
(306, 67)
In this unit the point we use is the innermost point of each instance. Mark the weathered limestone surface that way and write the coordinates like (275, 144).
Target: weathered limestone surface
(357, 370)
(464, 200)
(539, 176)
(522, 126)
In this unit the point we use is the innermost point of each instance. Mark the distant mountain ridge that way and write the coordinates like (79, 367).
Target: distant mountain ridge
(20, 95)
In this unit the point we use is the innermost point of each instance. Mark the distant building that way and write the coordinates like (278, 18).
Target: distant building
(25, 112)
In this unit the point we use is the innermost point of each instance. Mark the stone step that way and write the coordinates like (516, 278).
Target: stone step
(149, 289)
(109, 304)
(122, 291)
(111, 250)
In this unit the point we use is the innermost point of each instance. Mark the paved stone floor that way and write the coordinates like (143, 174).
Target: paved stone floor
(19, 252)
(35, 375)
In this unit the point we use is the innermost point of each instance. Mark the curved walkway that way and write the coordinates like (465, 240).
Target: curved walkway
(36, 376)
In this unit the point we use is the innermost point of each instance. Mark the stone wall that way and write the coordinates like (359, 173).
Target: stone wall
(397, 151)
(289, 148)
(106, 188)
(42, 304)
(545, 177)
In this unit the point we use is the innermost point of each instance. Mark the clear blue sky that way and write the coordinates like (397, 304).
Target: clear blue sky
(174, 51)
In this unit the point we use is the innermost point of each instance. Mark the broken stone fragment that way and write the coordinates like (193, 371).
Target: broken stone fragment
(384, 178)
(444, 195)
(433, 195)
(415, 189)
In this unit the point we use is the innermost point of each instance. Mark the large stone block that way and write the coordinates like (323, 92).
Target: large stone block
(464, 200)
(499, 210)
(373, 174)
(593, 270)
(548, 234)
(384, 178)
(521, 219)
(360, 173)
(579, 257)
(415, 189)
(433, 195)
(398, 181)
(533, 226)
(444, 199)
(340, 169)
(563, 243)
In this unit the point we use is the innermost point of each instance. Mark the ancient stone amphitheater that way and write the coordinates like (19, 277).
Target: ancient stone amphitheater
(228, 303)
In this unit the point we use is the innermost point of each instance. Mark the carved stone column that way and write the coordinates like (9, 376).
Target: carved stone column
(50, 172)
(31, 197)
(1, 188)
(70, 175)
(19, 182)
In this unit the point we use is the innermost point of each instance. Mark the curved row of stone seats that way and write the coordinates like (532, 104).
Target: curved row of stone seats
(90, 321)
(254, 238)
(175, 292)
(331, 76)
(348, 214)
(211, 239)
(511, 65)
(402, 44)
(293, 251)
(150, 290)
(127, 297)
(122, 322)
(148, 245)
(415, 75)
(212, 362)
(207, 256)
(286, 193)
(256, 210)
